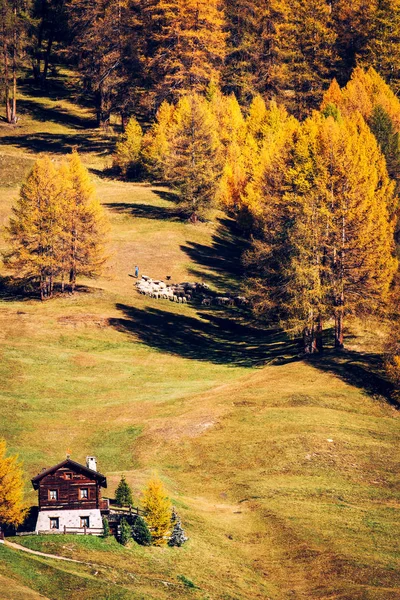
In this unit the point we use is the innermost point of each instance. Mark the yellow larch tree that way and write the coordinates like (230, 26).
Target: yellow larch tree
(12, 508)
(157, 507)
(156, 141)
(127, 150)
(35, 229)
(184, 47)
(87, 225)
(327, 243)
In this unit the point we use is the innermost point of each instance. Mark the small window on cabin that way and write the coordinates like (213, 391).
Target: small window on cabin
(54, 523)
(84, 493)
(84, 521)
(68, 475)
(53, 495)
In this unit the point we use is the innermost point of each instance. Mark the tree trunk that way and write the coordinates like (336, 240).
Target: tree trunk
(103, 111)
(339, 337)
(72, 271)
(319, 342)
(124, 121)
(43, 77)
(14, 70)
(6, 75)
(309, 342)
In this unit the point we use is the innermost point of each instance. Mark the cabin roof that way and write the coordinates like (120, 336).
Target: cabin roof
(74, 466)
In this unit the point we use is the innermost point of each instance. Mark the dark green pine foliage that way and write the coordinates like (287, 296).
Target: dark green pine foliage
(106, 527)
(141, 533)
(193, 162)
(382, 127)
(125, 532)
(389, 141)
(123, 493)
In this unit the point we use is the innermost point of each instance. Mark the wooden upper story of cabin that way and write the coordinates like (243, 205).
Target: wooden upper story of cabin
(70, 485)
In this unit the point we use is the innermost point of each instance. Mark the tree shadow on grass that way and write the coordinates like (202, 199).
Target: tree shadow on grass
(13, 289)
(221, 263)
(170, 212)
(57, 143)
(146, 211)
(219, 340)
(55, 114)
(363, 370)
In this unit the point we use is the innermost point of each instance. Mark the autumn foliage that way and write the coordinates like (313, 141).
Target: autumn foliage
(12, 508)
(157, 507)
(57, 230)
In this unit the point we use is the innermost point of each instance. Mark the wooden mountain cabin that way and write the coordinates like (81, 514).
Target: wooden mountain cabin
(70, 499)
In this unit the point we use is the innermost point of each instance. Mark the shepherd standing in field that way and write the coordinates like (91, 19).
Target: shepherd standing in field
(136, 271)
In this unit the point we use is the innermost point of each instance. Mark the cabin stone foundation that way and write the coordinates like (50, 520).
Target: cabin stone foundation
(69, 521)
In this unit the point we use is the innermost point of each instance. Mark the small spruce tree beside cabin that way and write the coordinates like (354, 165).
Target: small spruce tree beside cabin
(125, 532)
(123, 493)
(178, 537)
(106, 528)
(141, 533)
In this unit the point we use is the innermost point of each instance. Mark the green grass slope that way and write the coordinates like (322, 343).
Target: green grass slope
(285, 472)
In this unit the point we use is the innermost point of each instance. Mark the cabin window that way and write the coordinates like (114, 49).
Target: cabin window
(68, 475)
(84, 521)
(53, 494)
(84, 493)
(54, 523)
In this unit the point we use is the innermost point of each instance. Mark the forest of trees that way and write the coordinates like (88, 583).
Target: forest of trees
(317, 198)
(284, 113)
(133, 54)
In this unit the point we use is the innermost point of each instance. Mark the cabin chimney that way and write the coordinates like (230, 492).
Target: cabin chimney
(91, 463)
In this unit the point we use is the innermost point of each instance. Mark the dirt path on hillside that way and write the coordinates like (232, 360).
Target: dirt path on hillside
(15, 546)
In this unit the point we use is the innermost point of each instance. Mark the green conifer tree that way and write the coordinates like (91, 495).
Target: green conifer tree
(125, 532)
(141, 533)
(123, 493)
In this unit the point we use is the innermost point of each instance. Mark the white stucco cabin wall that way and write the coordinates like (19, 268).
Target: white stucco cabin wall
(69, 519)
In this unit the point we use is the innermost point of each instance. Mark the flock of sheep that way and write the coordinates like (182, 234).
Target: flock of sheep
(186, 292)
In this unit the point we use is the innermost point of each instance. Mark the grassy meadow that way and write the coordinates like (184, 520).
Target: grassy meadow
(284, 471)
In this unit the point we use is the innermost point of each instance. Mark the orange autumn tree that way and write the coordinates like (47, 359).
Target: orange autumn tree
(58, 228)
(12, 509)
(157, 508)
(182, 47)
(326, 249)
(369, 95)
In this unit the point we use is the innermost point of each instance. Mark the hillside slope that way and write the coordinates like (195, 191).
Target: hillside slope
(284, 471)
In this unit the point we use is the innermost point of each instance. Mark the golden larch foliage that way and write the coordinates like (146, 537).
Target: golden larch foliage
(157, 507)
(12, 508)
(127, 151)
